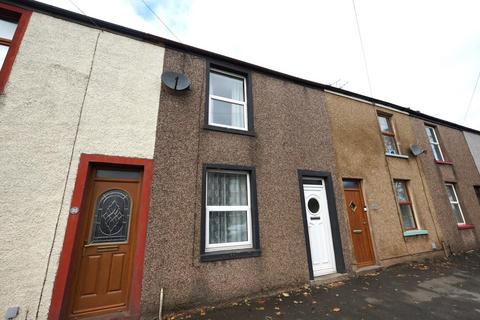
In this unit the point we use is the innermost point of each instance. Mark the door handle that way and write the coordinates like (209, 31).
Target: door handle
(357, 231)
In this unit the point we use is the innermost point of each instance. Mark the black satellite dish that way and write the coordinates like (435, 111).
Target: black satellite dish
(176, 81)
(416, 150)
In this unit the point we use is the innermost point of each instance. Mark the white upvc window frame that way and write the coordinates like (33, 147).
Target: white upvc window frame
(214, 247)
(456, 202)
(233, 101)
(437, 143)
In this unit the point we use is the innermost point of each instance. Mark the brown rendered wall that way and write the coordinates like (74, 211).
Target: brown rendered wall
(463, 173)
(292, 133)
(361, 155)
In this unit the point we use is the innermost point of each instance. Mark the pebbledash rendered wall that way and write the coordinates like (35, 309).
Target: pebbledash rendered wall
(72, 90)
(460, 170)
(360, 154)
(291, 133)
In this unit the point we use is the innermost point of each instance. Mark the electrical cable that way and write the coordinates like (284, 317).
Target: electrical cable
(471, 98)
(159, 19)
(363, 49)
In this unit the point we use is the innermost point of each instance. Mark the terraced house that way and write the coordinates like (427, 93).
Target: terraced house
(115, 186)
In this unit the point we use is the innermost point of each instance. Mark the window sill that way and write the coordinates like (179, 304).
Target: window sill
(465, 226)
(444, 162)
(228, 130)
(227, 255)
(401, 156)
(414, 233)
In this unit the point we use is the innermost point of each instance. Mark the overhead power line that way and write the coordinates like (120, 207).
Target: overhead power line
(471, 98)
(363, 49)
(161, 21)
(82, 12)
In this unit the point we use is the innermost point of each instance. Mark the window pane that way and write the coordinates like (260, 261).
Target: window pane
(117, 174)
(227, 189)
(457, 213)
(352, 184)
(451, 193)
(436, 152)
(228, 114)
(384, 123)
(431, 134)
(407, 217)
(227, 226)
(401, 191)
(7, 29)
(390, 146)
(111, 217)
(226, 86)
(3, 54)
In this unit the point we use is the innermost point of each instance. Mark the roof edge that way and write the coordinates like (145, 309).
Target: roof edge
(157, 40)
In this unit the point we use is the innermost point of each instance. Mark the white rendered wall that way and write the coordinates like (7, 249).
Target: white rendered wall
(40, 113)
(473, 141)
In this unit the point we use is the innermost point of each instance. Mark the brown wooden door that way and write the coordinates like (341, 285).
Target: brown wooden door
(359, 228)
(103, 267)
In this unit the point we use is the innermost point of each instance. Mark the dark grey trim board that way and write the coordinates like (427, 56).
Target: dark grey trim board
(303, 176)
(104, 25)
(234, 254)
(234, 69)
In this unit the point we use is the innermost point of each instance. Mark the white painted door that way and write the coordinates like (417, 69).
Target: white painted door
(319, 231)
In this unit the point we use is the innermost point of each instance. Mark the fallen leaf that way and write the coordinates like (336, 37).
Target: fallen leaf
(336, 309)
(314, 301)
(295, 301)
(285, 294)
(278, 313)
(335, 284)
(277, 308)
(202, 312)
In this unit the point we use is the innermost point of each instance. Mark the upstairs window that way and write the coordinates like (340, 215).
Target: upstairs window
(388, 134)
(405, 204)
(432, 138)
(8, 25)
(228, 104)
(456, 208)
(13, 23)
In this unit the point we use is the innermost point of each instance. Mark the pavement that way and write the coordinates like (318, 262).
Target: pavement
(440, 289)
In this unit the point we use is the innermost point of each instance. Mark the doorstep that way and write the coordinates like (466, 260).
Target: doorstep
(329, 278)
(368, 269)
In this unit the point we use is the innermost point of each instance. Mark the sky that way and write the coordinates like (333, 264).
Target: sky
(423, 55)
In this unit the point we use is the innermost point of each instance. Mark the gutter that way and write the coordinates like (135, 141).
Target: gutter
(156, 40)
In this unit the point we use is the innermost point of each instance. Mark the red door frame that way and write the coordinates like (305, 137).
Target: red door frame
(66, 256)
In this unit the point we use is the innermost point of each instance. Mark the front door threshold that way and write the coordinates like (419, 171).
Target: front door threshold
(368, 269)
(329, 278)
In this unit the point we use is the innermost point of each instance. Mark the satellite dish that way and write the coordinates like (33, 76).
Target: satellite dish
(416, 150)
(176, 81)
